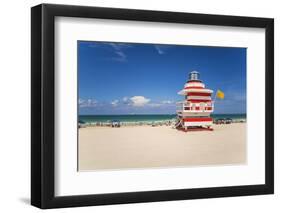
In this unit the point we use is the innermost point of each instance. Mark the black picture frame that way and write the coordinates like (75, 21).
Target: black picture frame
(43, 114)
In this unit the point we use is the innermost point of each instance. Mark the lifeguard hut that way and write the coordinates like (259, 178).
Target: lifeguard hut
(193, 113)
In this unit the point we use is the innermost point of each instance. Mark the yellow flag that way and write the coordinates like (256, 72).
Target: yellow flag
(220, 94)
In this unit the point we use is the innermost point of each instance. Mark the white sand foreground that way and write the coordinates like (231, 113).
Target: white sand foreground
(149, 147)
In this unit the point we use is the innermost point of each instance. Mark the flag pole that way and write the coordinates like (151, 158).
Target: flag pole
(215, 96)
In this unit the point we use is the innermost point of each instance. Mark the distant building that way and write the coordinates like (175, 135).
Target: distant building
(195, 110)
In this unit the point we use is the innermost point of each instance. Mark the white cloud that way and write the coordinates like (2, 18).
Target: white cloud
(125, 99)
(164, 103)
(118, 49)
(167, 102)
(115, 102)
(139, 101)
(120, 56)
(131, 102)
(87, 103)
(119, 46)
(155, 104)
(80, 101)
(159, 49)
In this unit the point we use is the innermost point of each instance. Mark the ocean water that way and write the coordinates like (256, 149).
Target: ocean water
(147, 118)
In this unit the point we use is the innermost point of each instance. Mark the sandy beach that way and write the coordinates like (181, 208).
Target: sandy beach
(149, 147)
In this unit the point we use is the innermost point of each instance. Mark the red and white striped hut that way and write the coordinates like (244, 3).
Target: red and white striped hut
(194, 112)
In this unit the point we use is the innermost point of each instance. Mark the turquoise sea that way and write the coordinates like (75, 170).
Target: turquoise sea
(147, 118)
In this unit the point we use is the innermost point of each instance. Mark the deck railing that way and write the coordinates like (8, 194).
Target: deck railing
(184, 106)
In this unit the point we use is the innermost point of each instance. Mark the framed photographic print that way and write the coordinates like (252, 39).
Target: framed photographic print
(139, 106)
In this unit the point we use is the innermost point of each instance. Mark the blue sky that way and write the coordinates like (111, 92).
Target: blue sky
(131, 78)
